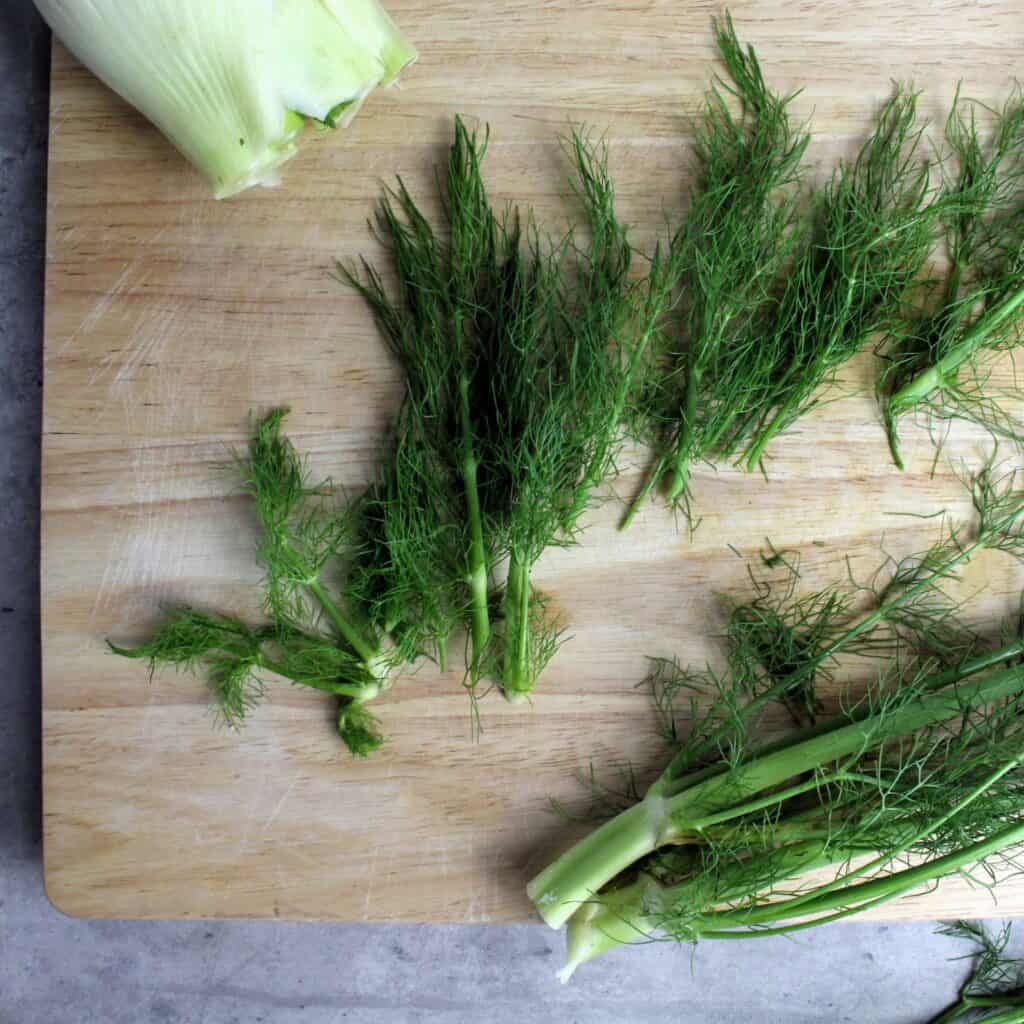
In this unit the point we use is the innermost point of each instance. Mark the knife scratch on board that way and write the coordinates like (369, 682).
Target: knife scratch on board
(371, 872)
(146, 345)
(120, 288)
(254, 803)
(280, 804)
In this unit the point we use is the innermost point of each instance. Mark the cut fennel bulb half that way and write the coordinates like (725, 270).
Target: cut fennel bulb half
(230, 82)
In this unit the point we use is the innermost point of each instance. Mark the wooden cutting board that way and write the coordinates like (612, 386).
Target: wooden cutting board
(171, 317)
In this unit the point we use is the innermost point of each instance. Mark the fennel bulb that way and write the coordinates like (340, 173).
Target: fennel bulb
(230, 82)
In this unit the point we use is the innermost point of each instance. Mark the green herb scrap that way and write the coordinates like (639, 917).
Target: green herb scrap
(515, 392)
(871, 233)
(918, 778)
(729, 254)
(310, 639)
(939, 362)
(994, 993)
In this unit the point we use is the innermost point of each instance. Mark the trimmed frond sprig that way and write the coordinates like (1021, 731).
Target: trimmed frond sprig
(518, 371)
(941, 361)
(310, 639)
(994, 992)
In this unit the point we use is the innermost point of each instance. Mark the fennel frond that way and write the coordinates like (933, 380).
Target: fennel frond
(310, 639)
(994, 992)
(940, 362)
(518, 370)
(713, 370)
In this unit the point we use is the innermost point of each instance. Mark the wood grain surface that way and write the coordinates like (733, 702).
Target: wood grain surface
(170, 317)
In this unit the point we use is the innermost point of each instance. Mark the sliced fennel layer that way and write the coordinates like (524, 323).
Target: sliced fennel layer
(230, 83)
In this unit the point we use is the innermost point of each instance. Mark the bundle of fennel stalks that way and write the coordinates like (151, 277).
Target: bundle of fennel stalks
(918, 778)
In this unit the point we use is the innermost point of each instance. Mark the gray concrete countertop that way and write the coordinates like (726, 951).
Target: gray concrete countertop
(54, 969)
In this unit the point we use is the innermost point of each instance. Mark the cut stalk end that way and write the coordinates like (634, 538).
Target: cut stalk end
(567, 972)
(892, 434)
(614, 919)
(649, 484)
(564, 887)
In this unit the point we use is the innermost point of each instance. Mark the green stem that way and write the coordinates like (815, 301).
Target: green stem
(891, 417)
(843, 880)
(359, 693)
(1007, 1002)
(944, 370)
(711, 743)
(756, 451)
(592, 476)
(773, 799)
(953, 280)
(995, 1002)
(352, 636)
(1009, 1016)
(480, 623)
(887, 887)
(561, 888)
(681, 461)
(936, 682)
(649, 484)
(516, 678)
(955, 1011)
(799, 926)
(953, 316)
(775, 768)
(712, 441)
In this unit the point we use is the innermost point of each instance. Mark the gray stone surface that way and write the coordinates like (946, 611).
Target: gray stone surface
(55, 970)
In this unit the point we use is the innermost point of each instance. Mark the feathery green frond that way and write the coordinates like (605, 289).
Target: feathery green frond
(872, 231)
(305, 537)
(225, 648)
(729, 255)
(940, 362)
(518, 373)
(994, 992)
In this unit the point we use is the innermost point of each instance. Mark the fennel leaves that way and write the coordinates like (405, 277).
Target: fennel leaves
(310, 638)
(518, 370)
(713, 370)
(994, 992)
(781, 282)
(940, 361)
